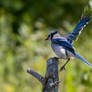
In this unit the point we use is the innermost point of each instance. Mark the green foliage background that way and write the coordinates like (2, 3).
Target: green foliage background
(24, 24)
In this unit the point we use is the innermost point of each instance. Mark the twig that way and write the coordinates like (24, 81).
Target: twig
(36, 75)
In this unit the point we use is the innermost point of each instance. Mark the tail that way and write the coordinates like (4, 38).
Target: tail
(83, 60)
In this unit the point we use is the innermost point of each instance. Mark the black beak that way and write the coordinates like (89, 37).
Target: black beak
(47, 38)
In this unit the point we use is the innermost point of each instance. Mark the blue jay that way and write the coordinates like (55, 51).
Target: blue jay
(63, 47)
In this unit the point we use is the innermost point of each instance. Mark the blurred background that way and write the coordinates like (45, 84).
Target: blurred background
(24, 25)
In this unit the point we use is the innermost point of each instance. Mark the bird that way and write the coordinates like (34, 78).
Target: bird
(63, 46)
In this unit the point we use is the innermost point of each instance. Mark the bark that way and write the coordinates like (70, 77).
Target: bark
(51, 80)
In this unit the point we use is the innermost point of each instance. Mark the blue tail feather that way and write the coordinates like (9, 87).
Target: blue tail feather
(83, 60)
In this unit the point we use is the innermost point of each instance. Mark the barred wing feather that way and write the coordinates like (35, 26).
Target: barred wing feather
(77, 30)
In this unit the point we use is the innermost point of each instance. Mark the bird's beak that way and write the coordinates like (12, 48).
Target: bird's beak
(47, 38)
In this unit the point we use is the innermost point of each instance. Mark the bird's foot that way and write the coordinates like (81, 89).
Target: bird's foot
(57, 58)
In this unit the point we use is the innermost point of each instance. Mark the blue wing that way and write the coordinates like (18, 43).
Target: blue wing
(79, 27)
(65, 44)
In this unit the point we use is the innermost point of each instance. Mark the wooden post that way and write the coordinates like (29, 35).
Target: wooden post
(50, 81)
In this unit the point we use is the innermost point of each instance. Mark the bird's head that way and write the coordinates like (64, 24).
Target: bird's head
(51, 35)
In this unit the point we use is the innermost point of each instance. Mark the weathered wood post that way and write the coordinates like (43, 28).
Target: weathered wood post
(51, 80)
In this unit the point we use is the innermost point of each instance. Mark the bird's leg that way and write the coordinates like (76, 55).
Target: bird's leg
(63, 67)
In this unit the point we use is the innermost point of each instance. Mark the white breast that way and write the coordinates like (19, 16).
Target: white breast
(60, 52)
